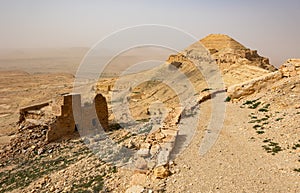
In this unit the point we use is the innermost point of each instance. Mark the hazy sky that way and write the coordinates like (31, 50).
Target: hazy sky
(270, 26)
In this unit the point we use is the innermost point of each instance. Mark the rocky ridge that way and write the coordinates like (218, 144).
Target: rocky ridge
(228, 52)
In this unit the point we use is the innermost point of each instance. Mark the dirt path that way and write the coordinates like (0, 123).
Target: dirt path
(236, 163)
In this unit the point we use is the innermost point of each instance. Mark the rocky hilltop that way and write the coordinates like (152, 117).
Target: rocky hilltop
(228, 51)
(235, 62)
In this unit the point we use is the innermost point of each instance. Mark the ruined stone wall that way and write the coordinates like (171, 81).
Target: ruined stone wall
(102, 111)
(65, 114)
(32, 111)
(56, 105)
(64, 124)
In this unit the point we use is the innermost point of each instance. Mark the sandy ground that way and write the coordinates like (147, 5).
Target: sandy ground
(236, 163)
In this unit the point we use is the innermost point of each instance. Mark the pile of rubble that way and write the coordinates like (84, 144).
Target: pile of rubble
(30, 140)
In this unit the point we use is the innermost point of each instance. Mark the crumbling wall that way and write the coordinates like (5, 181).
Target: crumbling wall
(65, 114)
(101, 111)
(56, 105)
(64, 124)
(31, 112)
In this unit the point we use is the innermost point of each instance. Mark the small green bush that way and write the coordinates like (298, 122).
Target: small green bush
(227, 99)
(256, 126)
(272, 147)
(278, 119)
(297, 169)
(263, 110)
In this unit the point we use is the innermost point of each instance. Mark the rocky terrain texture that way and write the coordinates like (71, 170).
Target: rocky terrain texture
(228, 51)
(257, 149)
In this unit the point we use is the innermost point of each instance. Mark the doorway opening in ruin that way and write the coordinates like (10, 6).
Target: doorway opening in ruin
(76, 128)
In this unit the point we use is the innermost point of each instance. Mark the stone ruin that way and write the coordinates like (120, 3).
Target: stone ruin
(177, 60)
(58, 119)
(59, 116)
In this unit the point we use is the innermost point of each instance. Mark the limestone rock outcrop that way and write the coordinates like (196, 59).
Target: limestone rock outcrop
(178, 60)
(252, 86)
(290, 68)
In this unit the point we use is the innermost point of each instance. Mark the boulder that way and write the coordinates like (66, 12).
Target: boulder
(161, 172)
(254, 85)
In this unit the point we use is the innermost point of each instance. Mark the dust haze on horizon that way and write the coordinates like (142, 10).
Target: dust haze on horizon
(271, 27)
